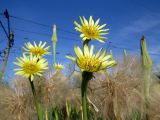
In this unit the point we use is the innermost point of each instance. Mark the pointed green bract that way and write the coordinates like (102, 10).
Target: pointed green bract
(54, 35)
(146, 59)
(54, 41)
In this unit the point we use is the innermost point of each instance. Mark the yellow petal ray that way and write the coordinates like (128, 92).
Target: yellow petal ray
(91, 50)
(78, 25)
(78, 52)
(85, 21)
(102, 26)
(96, 23)
(81, 20)
(106, 58)
(98, 53)
(86, 50)
(71, 57)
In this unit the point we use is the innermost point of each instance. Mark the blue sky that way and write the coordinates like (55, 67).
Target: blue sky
(127, 20)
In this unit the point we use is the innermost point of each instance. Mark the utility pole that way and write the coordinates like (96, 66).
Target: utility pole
(10, 42)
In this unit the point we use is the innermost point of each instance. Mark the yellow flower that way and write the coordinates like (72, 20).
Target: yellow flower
(91, 30)
(90, 62)
(38, 50)
(58, 66)
(30, 66)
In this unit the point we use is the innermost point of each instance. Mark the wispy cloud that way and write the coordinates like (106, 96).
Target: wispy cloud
(155, 49)
(143, 24)
(128, 36)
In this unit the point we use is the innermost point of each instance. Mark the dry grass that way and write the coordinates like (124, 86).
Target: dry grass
(154, 106)
(120, 93)
(115, 94)
(16, 103)
(56, 89)
(53, 89)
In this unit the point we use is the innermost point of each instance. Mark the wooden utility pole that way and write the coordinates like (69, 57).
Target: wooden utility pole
(10, 41)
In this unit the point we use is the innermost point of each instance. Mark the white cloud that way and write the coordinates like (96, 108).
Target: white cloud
(155, 49)
(143, 24)
(147, 25)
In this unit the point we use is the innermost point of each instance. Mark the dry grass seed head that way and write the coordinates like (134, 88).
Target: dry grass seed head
(119, 93)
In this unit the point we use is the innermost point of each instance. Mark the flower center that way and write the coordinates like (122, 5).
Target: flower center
(89, 64)
(30, 68)
(37, 51)
(90, 31)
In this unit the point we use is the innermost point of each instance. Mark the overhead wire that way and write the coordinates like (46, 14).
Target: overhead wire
(49, 35)
(130, 49)
(43, 34)
(41, 24)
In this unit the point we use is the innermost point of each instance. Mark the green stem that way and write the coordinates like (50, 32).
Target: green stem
(86, 76)
(32, 87)
(86, 42)
(147, 78)
(39, 107)
(54, 54)
(125, 57)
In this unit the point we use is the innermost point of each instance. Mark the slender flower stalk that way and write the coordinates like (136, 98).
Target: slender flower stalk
(54, 42)
(125, 56)
(86, 77)
(147, 66)
(125, 53)
(37, 102)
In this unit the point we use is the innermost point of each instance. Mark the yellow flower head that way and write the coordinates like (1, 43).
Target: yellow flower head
(38, 50)
(58, 66)
(90, 62)
(30, 66)
(91, 30)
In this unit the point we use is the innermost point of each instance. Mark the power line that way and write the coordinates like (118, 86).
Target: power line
(44, 25)
(41, 24)
(43, 34)
(48, 26)
(114, 46)
(10, 41)
(19, 50)
(111, 44)
(143, 6)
